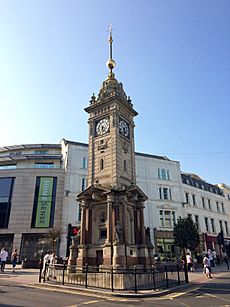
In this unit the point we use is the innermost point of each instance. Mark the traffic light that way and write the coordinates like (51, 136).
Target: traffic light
(75, 230)
(220, 238)
(72, 231)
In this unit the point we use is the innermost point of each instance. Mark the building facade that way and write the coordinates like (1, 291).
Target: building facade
(171, 194)
(31, 197)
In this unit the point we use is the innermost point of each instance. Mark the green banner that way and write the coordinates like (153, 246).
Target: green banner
(44, 202)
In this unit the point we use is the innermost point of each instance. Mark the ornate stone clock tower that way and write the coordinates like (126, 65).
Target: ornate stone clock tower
(112, 226)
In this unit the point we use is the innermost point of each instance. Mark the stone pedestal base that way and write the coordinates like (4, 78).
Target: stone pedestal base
(116, 256)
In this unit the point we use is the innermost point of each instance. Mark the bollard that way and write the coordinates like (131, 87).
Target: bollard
(63, 274)
(166, 276)
(154, 281)
(112, 289)
(135, 278)
(86, 275)
(178, 273)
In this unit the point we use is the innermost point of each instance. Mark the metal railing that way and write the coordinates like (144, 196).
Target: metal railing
(112, 279)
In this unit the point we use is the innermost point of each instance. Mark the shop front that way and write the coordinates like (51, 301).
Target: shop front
(165, 245)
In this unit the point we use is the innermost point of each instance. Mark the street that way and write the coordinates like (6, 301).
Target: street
(213, 292)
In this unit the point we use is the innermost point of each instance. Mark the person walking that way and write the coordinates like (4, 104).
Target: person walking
(46, 261)
(207, 266)
(3, 257)
(211, 258)
(225, 257)
(189, 262)
(14, 258)
(51, 268)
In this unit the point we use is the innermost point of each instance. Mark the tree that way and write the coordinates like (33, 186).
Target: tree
(186, 237)
(49, 241)
(186, 234)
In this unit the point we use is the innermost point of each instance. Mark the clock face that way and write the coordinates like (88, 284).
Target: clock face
(102, 126)
(124, 128)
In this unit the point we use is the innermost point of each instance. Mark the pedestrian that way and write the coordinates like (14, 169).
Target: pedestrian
(189, 261)
(3, 257)
(51, 268)
(14, 258)
(46, 261)
(211, 258)
(214, 256)
(207, 266)
(226, 260)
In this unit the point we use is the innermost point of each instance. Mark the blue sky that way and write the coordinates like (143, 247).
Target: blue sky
(173, 58)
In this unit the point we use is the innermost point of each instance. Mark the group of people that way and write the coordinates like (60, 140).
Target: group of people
(210, 260)
(48, 265)
(3, 258)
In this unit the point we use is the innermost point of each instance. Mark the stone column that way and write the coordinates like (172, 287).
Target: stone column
(142, 226)
(109, 221)
(83, 224)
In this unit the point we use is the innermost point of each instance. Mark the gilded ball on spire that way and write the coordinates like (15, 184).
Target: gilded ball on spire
(111, 64)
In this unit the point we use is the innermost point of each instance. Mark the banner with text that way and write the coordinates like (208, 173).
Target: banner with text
(44, 202)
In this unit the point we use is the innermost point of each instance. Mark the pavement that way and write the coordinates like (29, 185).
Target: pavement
(30, 277)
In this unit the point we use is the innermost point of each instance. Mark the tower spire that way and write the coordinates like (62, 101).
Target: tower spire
(111, 63)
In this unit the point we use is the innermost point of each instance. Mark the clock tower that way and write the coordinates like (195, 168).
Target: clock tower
(112, 225)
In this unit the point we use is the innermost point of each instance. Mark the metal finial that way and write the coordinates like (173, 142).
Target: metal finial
(111, 63)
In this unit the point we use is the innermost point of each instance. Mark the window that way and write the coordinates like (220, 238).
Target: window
(167, 218)
(125, 166)
(187, 198)
(44, 165)
(165, 193)
(209, 204)
(206, 224)
(194, 199)
(41, 152)
(163, 174)
(103, 233)
(101, 164)
(221, 226)
(6, 190)
(226, 227)
(222, 208)
(84, 163)
(217, 206)
(44, 202)
(83, 184)
(8, 166)
(197, 222)
(213, 226)
(79, 213)
(203, 203)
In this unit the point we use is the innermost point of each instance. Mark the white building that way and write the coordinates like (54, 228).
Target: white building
(170, 195)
